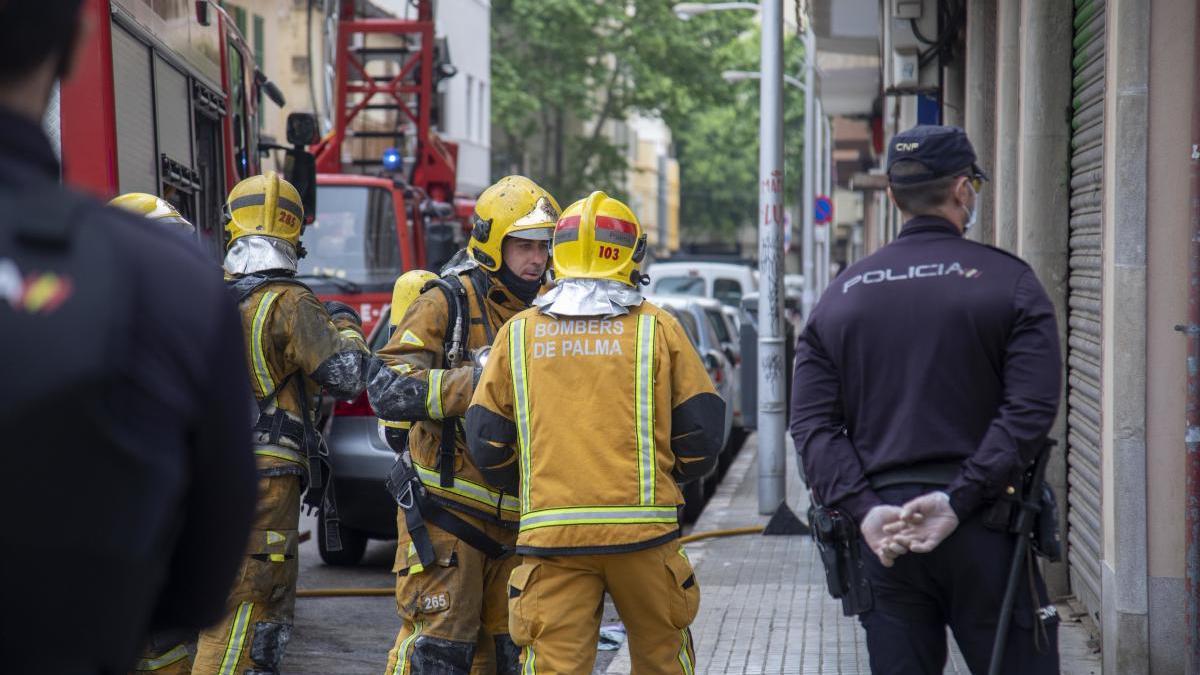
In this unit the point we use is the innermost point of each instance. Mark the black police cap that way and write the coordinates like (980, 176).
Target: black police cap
(941, 150)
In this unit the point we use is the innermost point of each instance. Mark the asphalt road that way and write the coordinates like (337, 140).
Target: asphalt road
(352, 636)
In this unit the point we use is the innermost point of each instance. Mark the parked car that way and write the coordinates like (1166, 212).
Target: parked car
(726, 282)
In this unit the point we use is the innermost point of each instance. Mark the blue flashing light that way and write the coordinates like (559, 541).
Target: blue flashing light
(392, 159)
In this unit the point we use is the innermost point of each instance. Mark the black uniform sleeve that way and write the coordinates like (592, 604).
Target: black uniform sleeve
(219, 505)
(1032, 383)
(831, 464)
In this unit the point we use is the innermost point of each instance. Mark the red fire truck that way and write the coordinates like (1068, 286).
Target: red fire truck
(164, 100)
(386, 181)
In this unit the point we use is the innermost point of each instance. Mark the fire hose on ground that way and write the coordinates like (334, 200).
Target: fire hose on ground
(390, 592)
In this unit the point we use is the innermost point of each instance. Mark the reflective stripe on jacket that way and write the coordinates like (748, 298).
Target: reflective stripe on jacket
(287, 331)
(413, 385)
(597, 418)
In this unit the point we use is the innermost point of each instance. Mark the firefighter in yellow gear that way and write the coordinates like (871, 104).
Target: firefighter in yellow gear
(592, 405)
(157, 209)
(456, 534)
(295, 347)
(168, 652)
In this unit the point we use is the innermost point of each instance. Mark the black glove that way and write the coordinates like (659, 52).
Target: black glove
(336, 308)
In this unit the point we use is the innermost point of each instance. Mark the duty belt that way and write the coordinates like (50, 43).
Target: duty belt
(924, 473)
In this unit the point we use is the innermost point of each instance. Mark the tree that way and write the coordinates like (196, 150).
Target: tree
(717, 145)
(562, 70)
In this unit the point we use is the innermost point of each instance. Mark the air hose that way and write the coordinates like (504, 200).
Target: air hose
(390, 592)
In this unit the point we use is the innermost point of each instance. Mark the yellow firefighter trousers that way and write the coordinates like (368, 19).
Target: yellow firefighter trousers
(555, 606)
(459, 602)
(254, 633)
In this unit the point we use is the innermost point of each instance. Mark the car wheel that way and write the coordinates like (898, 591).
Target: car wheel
(354, 545)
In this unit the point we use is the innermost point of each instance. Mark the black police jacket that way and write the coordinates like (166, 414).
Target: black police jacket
(933, 349)
(124, 422)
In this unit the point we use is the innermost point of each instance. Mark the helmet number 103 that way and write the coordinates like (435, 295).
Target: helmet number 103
(609, 253)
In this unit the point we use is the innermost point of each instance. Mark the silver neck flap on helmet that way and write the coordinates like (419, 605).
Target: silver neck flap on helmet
(588, 297)
(254, 253)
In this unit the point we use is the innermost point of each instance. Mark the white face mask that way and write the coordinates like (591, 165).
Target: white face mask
(973, 210)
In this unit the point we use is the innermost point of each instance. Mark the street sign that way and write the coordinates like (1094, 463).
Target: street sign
(823, 210)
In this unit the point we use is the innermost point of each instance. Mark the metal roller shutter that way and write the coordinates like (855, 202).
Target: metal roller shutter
(1084, 381)
(137, 162)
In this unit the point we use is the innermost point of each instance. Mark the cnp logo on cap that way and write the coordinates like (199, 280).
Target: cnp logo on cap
(940, 150)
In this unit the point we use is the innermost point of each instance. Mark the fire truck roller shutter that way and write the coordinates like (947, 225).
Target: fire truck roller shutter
(137, 161)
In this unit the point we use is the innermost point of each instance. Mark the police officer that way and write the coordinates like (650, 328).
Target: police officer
(295, 346)
(456, 533)
(925, 383)
(169, 652)
(129, 478)
(590, 407)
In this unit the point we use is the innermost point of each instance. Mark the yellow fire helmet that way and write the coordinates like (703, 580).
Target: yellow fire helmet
(267, 206)
(514, 207)
(406, 289)
(598, 237)
(155, 208)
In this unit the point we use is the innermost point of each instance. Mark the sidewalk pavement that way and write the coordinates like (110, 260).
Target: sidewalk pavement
(764, 606)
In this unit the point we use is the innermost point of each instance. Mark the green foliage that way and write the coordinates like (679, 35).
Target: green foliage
(717, 144)
(564, 69)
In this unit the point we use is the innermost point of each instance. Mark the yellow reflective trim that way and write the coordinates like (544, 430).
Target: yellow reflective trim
(351, 334)
(282, 453)
(274, 537)
(174, 655)
(237, 637)
(684, 659)
(262, 372)
(530, 666)
(402, 652)
(402, 368)
(277, 557)
(598, 515)
(409, 338)
(470, 490)
(414, 569)
(516, 353)
(433, 395)
(391, 424)
(644, 407)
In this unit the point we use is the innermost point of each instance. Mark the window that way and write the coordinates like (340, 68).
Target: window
(728, 291)
(258, 60)
(237, 93)
(353, 236)
(680, 285)
(718, 323)
(470, 127)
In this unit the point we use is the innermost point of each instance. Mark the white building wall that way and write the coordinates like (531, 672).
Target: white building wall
(466, 97)
(466, 24)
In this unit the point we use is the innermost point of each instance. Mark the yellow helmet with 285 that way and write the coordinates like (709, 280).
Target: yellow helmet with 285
(266, 206)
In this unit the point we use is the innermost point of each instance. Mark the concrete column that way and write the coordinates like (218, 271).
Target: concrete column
(1043, 196)
(1124, 569)
(980, 112)
(1168, 248)
(1007, 97)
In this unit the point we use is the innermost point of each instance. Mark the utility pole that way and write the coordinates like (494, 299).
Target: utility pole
(808, 254)
(772, 460)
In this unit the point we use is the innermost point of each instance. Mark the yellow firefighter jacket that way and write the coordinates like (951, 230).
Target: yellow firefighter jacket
(290, 335)
(415, 385)
(597, 417)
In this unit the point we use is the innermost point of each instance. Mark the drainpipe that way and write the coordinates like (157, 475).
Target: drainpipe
(1192, 432)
